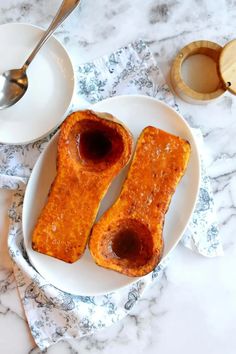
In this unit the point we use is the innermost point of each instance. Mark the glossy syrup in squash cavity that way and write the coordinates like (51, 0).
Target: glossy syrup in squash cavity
(98, 146)
(130, 240)
(94, 145)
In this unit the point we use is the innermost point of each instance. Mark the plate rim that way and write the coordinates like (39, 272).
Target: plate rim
(92, 107)
(72, 79)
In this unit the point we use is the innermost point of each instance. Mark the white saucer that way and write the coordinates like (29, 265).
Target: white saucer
(84, 277)
(51, 84)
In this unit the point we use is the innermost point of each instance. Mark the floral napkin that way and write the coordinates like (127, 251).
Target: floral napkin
(51, 313)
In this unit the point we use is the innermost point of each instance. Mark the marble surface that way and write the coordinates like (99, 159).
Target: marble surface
(193, 308)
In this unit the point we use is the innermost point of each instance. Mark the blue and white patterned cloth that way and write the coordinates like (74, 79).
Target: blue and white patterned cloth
(53, 314)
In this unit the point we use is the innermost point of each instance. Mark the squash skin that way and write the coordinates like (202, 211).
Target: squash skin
(65, 223)
(137, 217)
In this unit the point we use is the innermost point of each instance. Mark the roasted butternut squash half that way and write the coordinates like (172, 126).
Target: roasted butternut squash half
(92, 149)
(128, 237)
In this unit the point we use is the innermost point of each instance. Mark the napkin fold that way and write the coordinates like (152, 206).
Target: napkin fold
(51, 313)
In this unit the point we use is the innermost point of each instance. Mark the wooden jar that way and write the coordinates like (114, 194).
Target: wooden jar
(224, 57)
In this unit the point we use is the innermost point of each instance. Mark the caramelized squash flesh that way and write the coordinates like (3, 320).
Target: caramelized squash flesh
(92, 149)
(128, 237)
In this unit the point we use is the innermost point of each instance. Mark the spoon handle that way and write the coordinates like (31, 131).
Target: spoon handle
(64, 11)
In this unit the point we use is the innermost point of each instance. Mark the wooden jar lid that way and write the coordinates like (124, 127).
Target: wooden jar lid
(227, 66)
(225, 59)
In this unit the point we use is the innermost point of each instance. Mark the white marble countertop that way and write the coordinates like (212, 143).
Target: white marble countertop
(193, 308)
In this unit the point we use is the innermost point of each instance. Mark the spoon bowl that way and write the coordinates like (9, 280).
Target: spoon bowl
(13, 85)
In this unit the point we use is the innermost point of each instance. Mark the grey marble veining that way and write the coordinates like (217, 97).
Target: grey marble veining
(192, 309)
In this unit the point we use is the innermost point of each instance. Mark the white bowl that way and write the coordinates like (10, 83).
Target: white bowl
(51, 84)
